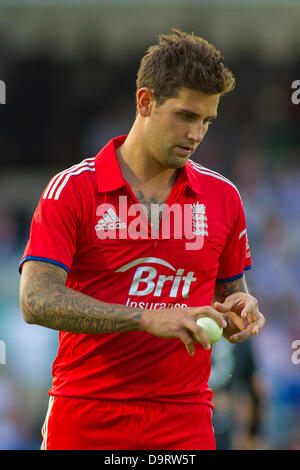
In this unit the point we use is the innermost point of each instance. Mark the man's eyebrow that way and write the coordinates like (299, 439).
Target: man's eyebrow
(192, 113)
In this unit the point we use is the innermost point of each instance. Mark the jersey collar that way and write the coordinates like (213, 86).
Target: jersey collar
(109, 175)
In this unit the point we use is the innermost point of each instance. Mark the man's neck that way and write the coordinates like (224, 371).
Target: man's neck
(140, 169)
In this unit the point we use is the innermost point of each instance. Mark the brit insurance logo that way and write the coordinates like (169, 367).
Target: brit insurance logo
(147, 281)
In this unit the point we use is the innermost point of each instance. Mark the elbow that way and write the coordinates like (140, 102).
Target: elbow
(28, 318)
(27, 302)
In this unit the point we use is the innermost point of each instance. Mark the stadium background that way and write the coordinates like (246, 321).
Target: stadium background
(70, 70)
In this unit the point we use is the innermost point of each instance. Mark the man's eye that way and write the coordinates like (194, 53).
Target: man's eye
(187, 116)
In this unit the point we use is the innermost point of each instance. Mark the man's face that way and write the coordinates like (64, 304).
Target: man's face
(175, 129)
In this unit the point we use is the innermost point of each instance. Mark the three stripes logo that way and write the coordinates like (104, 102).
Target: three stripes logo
(59, 181)
(109, 221)
(206, 171)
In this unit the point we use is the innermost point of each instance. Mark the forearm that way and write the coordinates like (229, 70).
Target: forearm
(65, 309)
(224, 289)
(49, 303)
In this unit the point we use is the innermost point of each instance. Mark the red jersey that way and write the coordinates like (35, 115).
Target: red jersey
(88, 222)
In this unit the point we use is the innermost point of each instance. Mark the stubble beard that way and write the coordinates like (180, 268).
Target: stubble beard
(174, 161)
(165, 156)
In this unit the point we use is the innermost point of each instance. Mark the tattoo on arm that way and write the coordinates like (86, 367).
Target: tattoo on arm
(45, 300)
(224, 289)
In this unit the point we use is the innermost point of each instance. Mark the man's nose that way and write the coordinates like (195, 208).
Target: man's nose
(197, 133)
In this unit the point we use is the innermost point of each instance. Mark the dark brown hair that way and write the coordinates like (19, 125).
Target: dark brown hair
(183, 60)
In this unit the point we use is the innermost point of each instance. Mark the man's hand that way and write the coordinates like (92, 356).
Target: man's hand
(181, 323)
(242, 314)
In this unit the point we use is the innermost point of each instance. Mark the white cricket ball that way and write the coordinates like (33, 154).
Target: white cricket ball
(211, 328)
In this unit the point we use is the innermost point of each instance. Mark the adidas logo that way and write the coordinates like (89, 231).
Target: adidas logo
(109, 221)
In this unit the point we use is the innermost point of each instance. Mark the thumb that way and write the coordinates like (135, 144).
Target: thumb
(223, 307)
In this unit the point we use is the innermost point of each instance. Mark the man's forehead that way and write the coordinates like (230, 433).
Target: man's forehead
(194, 99)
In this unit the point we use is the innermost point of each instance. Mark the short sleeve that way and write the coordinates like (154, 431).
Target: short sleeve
(236, 256)
(53, 232)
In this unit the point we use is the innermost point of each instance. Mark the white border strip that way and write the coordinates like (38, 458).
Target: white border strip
(45, 425)
(201, 167)
(56, 184)
(58, 177)
(63, 184)
(214, 174)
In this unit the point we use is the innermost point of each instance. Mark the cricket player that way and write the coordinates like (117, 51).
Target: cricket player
(127, 250)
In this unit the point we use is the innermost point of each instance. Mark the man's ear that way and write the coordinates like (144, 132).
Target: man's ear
(144, 100)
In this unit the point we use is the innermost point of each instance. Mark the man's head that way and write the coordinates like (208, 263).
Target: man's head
(183, 60)
(179, 84)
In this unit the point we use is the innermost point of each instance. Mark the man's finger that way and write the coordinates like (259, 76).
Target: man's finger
(244, 334)
(259, 324)
(223, 307)
(202, 337)
(251, 313)
(247, 310)
(237, 302)
(188, 342)
(237, 320)
(250, 308)
(197, 333)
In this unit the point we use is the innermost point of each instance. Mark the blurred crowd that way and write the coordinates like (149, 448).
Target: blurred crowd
(68, 112)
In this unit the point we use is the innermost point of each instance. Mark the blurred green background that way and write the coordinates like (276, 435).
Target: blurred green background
(70, 70)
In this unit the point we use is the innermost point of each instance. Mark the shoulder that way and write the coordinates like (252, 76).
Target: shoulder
(70, 180)
(213, 182)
